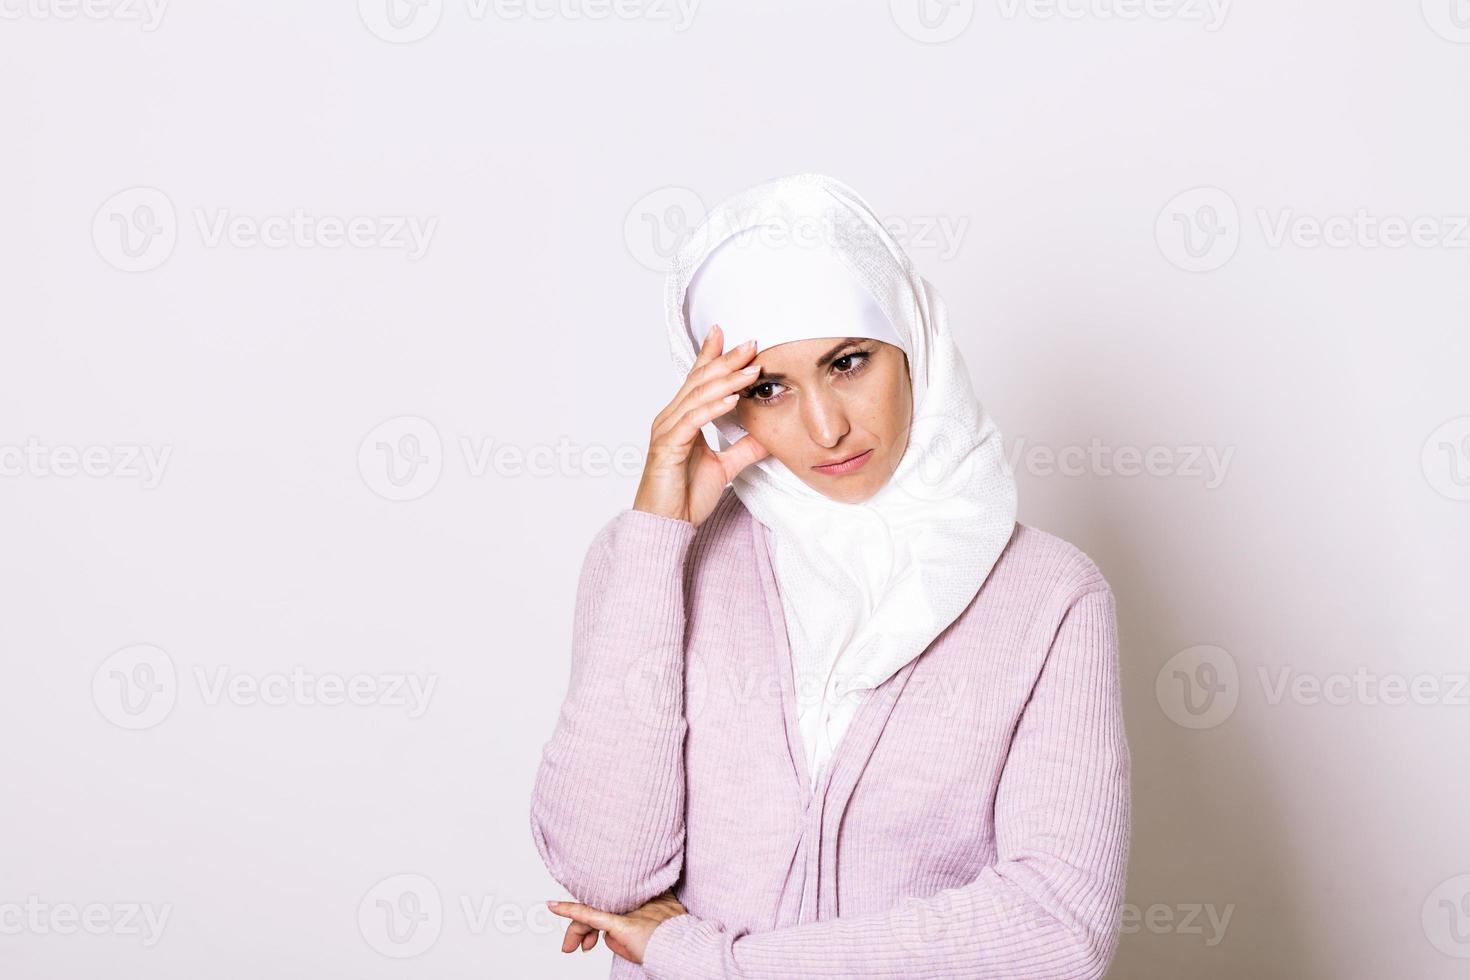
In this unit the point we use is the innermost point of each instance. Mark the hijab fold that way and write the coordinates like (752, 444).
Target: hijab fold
(865, 587)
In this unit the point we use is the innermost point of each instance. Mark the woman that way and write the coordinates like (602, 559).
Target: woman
(843, 717)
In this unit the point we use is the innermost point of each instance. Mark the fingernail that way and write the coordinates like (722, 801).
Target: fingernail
(747, 344)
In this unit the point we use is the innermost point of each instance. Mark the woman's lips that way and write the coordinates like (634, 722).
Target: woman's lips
(846, 466)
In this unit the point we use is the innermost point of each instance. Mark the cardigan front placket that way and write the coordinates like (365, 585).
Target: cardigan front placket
(805, 896)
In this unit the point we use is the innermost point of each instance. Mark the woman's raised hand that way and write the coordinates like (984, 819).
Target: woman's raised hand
(683, 478)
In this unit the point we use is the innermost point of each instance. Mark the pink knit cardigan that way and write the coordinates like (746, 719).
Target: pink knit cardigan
(973, 822)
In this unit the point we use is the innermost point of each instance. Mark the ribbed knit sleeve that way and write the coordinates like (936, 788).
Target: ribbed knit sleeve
(607, 810)
(1048, 907)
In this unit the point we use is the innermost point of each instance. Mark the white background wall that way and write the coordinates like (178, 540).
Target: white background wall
(547, 163)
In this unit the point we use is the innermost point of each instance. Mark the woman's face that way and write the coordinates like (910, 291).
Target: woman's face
(824, 400)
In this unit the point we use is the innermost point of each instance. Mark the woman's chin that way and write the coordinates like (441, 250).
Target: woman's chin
(846, 490)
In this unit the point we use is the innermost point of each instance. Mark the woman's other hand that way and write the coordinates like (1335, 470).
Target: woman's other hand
(683, 478)
(627, 935)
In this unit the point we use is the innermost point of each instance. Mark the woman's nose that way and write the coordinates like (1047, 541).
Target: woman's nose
(826, 421)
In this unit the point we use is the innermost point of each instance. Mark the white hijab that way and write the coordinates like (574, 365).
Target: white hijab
(865, 587)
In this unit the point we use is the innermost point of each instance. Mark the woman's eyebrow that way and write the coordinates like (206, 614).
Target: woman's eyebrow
(822, 361)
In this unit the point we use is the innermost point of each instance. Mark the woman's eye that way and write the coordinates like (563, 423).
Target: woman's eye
(851, 363)
(761, 394)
